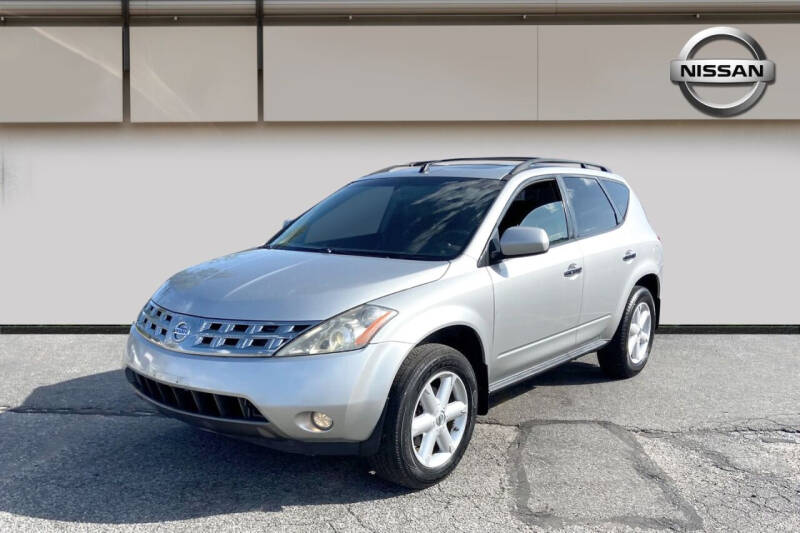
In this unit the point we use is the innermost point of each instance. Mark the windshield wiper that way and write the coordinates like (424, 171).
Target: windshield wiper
(300, 249)
(364, 253)
(387, 255)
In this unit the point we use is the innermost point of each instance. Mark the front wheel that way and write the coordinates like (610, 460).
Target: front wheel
(430, 417)
(629, 349)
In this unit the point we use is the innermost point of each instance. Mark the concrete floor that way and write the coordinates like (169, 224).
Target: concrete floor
(706, 438)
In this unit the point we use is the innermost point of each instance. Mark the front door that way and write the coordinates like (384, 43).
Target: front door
(537, 297)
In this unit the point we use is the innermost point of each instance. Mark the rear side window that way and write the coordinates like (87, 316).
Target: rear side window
(593, 212)
(619, 194)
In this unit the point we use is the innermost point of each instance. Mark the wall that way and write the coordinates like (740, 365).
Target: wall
(60, 74)
(93, 218)
(526, 72)
(374, 73)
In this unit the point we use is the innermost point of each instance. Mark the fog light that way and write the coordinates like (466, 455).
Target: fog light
(322, 421)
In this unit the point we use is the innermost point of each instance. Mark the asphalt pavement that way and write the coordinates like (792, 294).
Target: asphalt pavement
(707, 438)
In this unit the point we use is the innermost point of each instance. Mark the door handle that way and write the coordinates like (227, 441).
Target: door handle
(572, 270)
(630, 254)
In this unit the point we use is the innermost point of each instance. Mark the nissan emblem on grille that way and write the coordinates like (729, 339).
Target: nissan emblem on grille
(180, 332)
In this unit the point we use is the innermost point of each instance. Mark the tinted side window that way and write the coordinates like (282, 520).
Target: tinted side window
(538, 205)
(593, 212)
(619, 194)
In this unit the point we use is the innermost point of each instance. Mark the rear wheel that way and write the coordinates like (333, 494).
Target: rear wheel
(629, 349)
(430, 417)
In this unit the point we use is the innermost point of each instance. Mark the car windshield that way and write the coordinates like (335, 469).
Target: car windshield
(426, 217)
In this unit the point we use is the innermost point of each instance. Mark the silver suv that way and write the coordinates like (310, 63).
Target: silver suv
(380, 320)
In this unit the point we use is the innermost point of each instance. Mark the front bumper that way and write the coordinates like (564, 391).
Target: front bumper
(351, 387)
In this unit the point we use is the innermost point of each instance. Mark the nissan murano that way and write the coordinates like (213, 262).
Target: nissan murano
(379, 321)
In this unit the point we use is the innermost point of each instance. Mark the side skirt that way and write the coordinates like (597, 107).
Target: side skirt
(547, 365)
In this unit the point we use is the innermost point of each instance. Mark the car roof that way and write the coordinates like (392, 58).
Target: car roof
(475, 167)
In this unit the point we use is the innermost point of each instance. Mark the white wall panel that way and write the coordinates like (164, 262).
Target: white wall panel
(194, 74)
(92, 220)
(613, 72)
(403, 73)
(60, 74)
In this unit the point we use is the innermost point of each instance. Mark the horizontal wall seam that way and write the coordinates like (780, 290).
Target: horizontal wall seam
(190, 7)
(28, 8)
(358, 7)
(60, 8)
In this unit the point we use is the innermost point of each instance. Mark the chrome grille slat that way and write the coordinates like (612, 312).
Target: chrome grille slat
(217, 337)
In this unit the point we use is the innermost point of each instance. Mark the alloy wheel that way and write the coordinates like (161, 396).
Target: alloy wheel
(439, 420)
(639, 333)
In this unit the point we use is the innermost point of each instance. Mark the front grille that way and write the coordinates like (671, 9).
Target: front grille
(154, 322)
(210, 336)
(195, 402)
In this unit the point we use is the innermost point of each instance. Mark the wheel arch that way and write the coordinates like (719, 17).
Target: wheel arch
(468, 342)
(653, 284)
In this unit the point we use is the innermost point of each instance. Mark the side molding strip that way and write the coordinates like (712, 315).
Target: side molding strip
(547, 365)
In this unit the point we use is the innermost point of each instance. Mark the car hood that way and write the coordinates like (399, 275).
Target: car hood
(264, 284)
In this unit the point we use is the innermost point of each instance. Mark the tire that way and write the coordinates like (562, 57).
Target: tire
(623, 357)
(400, 458)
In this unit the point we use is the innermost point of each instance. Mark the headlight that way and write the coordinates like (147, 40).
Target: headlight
(351, 330)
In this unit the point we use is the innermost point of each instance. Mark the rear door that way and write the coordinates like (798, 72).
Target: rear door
(606, 259)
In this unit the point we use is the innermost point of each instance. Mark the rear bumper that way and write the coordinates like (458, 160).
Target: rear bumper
(351, 387)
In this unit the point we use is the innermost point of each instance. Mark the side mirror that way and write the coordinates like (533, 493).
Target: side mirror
(522, 240)
(287, 222)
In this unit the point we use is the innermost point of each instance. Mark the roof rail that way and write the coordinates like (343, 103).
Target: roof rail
(425, 164)
(545, 161)
(389, 168)
(524, 163)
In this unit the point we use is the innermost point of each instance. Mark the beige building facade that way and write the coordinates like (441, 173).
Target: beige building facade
(138, 139)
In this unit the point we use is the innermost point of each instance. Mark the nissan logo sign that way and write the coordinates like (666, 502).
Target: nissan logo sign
(180, 332)
(757, 72)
